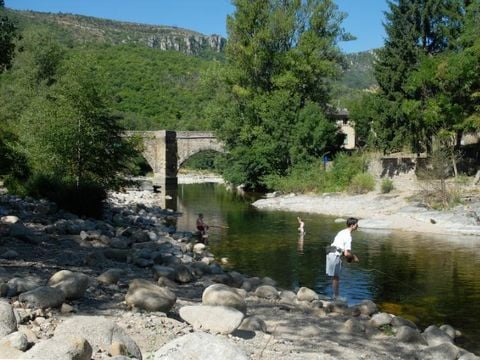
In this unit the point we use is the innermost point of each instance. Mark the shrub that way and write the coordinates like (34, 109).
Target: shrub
(362, 183)
(386, 186)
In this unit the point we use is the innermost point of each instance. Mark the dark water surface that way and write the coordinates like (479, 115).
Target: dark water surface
(429, 279)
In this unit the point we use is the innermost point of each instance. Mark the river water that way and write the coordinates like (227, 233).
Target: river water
(426, 278)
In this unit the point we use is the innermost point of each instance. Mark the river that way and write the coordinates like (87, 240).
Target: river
(429, 279)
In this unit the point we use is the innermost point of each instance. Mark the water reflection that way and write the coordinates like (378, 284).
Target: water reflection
(430, 279)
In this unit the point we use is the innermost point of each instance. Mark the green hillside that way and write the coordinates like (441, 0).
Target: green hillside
(154, 73)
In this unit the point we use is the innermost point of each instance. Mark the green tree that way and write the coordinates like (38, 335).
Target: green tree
(8, 34)
(70, 134)
(272, 104)
(418, 34)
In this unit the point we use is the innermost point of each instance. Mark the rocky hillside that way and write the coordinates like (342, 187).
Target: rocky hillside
(85, 29)
(359, 73)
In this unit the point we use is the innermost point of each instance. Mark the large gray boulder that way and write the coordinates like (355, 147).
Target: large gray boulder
(16, 340)
(148, 296)
(19, 285)
(306, 294)
(100, 333)
(435, 336)
(445, 351)
(43, 297)
(223, 295)
(61, 347)
(73, 284)
(200, 345)
(111, 276)
(367, 307)
(8, 322)
(381, 319)
(267, 292)
(217, 319)
(409, 335)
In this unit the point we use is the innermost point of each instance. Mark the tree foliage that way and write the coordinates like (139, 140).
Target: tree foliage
(8, 34)
(420, 92)
(272, 104)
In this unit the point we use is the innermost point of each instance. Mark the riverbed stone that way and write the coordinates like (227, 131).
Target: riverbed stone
(100, 333)
(9, 219)
(163, 271)
(251, 284)
(408, 334)
(8, 321)
(266, 292)
(182, 274)
(16, 340)
(398, 321)
(217, 319)
(43, 297)
(354, 327)
(148, 296)
(200, 345)
(449, 330)
(223, 295)
(61, 347)
(111, 276)
(253, 323)
(368, 307)
(381, 319)
(199, 268)
(269, 281)
(306, 294)
(73, 284)
(19, 285)
(445, 351)
(288, 297)
(434, 336)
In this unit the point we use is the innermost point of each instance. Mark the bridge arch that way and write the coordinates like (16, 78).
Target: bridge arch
(166, 150)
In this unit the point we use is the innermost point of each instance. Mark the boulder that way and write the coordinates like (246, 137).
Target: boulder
(398, 321)
(449, 330)
(111, 276)
(408, 334)
(223, 295)
(100, 333)
(73, 284)
(354, 327)
(199, 345)
(199, 268)
(18, 285)
(43, 297)
(381, 319)
(253, 323)
(288, 297)
(217, 319)
(148, 296)
(368, 307)
(9, 219)
(16, 340)
(306, 294)
(8, 322)
(182, 274)
(266, 292)
(445, 351)
(251, 284)
(199, 248)
(8, 352)
(434, 336)
(61, 347)
(119, 255)
(269, 281)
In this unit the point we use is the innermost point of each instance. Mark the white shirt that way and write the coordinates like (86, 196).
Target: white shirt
(343, 240)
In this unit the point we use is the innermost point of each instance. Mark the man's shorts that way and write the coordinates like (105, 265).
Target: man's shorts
(333, 264)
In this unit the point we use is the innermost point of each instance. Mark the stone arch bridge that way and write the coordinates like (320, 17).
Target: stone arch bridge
(165, 151)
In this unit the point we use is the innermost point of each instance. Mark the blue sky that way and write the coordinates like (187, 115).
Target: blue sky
(208, 16)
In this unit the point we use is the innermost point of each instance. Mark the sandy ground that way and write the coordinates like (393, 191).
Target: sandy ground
(383, 211)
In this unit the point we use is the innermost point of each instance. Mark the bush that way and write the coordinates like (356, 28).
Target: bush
(362, 183)
(386, 186)
(86, 199)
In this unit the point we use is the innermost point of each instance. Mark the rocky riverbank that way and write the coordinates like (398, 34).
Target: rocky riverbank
(393, 211)
(129, 286)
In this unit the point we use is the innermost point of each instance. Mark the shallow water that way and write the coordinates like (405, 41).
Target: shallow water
(430, 279)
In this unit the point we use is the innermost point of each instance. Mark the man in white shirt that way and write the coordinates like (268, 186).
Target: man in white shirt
(341, 247)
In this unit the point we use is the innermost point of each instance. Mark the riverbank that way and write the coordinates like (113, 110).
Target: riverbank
(393, 211)
(130, 285)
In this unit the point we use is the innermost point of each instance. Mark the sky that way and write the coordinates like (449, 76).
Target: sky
(208, 17)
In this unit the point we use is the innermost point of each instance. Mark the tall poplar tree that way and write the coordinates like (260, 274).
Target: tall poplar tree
(272, 104)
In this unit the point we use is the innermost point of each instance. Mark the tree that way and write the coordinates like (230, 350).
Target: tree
(418, 34)
(69, 134)
(272, 104)
(8, 34)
